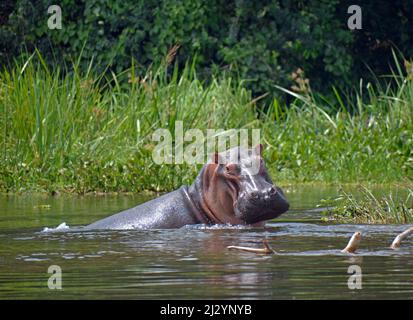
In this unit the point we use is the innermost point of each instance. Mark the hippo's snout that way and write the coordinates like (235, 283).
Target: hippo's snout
(269, 194)
(266, 204)
(280, 202)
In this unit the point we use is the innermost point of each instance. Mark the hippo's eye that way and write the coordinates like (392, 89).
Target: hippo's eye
(232, 168)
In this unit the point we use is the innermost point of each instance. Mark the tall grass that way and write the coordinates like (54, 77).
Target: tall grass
(369, 208)
(343, 139)
(80, 131)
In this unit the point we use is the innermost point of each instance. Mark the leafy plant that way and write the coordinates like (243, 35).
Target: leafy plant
(261, 42)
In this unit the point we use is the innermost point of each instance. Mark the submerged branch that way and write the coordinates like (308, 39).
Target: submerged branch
(351, 247)
(353, 244)
(397, 241)
(266, 250)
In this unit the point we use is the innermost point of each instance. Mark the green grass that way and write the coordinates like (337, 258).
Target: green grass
(331, 140)
(80, 131)
(369, 208)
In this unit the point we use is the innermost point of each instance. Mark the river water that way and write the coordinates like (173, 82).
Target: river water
(193, 262)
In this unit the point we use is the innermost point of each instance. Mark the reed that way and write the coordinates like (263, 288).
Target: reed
(78, 131)
(366, 207)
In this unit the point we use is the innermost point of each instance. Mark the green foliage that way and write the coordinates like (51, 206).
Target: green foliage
(370, 140)
(369, 208)
(262, 42)
(84, 132)
(88, 131)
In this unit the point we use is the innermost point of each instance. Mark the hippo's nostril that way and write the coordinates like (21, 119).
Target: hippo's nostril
(273, 191)
(254, 194)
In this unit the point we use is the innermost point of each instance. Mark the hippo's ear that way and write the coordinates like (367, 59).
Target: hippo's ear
(217, 158)
(258, 149)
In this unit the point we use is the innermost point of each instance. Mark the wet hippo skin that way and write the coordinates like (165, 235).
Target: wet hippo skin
(224, 192)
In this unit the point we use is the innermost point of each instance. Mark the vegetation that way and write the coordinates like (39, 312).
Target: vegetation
(368, 208)
(80, 131)
(86, 132)
(262, 41)
(338, 140)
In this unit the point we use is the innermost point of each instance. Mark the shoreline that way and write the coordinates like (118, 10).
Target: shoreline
(287, 186)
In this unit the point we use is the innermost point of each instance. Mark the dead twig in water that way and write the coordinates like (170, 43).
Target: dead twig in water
(353, 244)
(266, 250)
(397, 241)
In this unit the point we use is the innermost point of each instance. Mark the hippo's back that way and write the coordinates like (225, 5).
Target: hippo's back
(170, 210)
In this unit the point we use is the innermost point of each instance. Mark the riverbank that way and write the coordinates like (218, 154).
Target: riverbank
(81, 132)
(309, 203)
(366, 206)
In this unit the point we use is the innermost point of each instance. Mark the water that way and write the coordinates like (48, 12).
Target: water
(193, 262)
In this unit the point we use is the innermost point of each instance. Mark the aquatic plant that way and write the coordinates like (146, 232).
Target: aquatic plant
(369, 208)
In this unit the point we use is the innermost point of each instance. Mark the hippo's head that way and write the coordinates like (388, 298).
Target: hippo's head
(237, 188)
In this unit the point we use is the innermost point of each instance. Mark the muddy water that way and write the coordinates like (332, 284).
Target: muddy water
(193, 262)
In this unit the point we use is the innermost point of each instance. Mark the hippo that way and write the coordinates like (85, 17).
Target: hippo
(226, 191)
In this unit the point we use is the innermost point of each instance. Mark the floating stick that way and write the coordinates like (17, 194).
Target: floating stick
(401, 237)
(353, 243)
(266, 250)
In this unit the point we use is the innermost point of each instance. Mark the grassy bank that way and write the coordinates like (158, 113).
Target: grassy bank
(370, 208)
(82, 132)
